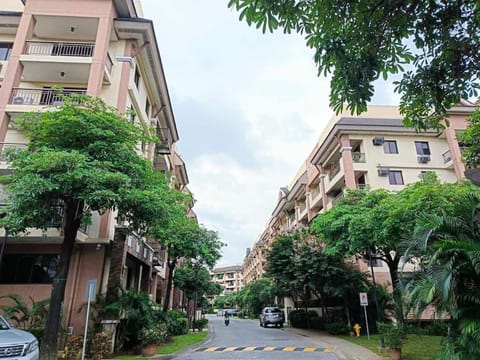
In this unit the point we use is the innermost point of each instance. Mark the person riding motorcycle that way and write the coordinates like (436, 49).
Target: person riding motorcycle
(226, 318)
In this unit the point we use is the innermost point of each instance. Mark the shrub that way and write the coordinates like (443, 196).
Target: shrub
(337, 328)
(73, 348)
(153, 334)
(302, 319)
(201, 323)
(437, 328)
(99, 345)
(317, 323)
(176, 321)
(393, 334)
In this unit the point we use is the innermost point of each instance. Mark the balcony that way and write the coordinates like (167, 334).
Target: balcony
(41, 97)
(57, 62)
(359, 157)
(6, 150)
(55, 48)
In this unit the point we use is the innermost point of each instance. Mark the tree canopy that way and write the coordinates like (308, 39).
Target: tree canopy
(81, 157)
(434, 45)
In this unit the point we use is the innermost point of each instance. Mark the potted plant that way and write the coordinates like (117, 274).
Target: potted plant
(151, 336)
(394, 337)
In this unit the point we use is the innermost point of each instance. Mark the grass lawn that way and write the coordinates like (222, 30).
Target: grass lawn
(178, 343)
(416, 347)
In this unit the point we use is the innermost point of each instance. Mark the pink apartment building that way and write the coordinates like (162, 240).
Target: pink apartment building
(372, 149)
(102, 48)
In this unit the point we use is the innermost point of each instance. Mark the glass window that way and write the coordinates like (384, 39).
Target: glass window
(395, 177)
(390, 147)
(132, 114)
(136, 78)
(147, 108)
(28, 269)
(5, 50)
(422, 148)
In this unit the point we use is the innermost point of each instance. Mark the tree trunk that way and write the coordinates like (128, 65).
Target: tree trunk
(49, 347)
(397, 293)
(171, 266)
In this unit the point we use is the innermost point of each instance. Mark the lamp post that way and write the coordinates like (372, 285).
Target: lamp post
(375, 298)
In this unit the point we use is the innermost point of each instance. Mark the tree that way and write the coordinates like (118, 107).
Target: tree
(471, 140)
(448, 249)
(195, 282)
(434, 44)
(256, 295)
(380, 221)
(80, 158)
(182, 237)
(280, 266)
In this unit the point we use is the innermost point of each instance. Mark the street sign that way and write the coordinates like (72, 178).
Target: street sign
(91, 290)
(363, 299)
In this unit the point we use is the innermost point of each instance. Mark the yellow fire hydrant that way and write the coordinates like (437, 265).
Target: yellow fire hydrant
(357, 328)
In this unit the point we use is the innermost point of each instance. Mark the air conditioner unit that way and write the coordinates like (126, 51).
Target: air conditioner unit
(378, 140)
(423, 159)
(382, 171)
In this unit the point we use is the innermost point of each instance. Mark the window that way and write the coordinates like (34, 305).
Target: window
(395, 177)
(390, 147)
(132, 114)
(147, 108)
(422, 148)
(136, 78)
(5, 50)
(28, 269)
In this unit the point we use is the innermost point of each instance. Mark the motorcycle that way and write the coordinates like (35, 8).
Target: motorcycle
(227, 321)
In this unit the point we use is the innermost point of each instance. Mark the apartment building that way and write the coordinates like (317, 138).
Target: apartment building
(102, 48)
(374, 150)
(229, 277)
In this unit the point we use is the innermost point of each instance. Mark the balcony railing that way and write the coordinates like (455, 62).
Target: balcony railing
(6, 150)
(23, 96)
(358, 157)
(334, 169)
(55, 48)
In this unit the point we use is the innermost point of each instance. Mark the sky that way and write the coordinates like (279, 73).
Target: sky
(249, 108)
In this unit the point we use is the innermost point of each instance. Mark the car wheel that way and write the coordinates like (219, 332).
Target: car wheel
(281, 325)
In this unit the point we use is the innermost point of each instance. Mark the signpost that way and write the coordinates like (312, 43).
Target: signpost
(364, 303)
(90, 295)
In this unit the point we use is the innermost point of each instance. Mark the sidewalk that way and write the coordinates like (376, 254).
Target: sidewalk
(344, 349)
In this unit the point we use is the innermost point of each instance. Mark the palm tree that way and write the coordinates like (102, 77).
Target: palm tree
(448, 247)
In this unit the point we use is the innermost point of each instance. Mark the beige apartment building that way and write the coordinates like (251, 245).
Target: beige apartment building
(102, 48)
(229, 277)
(374, 150)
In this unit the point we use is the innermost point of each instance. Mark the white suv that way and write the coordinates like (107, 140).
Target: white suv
(17, 344)
(271, 315)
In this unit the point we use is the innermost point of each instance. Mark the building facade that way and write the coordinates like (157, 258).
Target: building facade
(374, 150)
(102, 48)
(230, 278)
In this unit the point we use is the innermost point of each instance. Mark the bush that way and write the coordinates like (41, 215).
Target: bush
(337, 328)
(153, 334)
(317, 323)
(176, 321)
(302, 319)
(201, 323)
(99, 345)
(437, 328)
(393, 334)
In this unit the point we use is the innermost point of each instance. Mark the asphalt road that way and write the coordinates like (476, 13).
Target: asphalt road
(245, 339)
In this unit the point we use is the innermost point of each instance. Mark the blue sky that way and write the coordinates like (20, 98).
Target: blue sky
(249, 108)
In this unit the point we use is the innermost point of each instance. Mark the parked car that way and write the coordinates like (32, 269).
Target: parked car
(232, 312)
(271, 315)
(17, 344)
